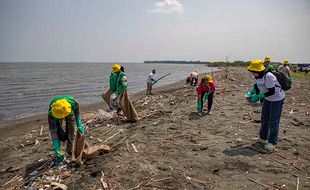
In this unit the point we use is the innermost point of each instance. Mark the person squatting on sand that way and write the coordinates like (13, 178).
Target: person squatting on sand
(273, 95)
(118, 83)
(205, 90)
(63, 108)
(150, 82)
(194, 78)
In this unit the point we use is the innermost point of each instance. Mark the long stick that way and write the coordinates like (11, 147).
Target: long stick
(162, 77)
(267, 186)
(297, 185)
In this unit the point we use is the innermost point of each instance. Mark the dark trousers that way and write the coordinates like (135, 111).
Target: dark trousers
(270, 120)
(194, 81)
(210, 100)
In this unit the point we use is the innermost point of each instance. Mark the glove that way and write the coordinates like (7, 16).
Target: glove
(250, 93)
(199, 105)
(290, 80)
(59, 160)
(59, 157)
(154, 82)
(80, 126)
(257, 97)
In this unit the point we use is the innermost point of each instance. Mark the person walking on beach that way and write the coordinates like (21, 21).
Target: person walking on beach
(268, 84)
(194, 78)
(285, 69)
(205, 90)
(150, 82)
(118, 82)
(63, 109)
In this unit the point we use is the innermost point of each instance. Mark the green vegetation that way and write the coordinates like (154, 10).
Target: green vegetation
(300, 75)
(229, 64)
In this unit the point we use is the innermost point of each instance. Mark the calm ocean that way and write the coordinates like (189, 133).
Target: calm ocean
(27, 88)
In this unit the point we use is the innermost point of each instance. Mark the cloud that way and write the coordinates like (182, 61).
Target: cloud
(167, 6)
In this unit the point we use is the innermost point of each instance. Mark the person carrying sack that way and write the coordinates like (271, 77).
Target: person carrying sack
(205, 90)
(118, 82)
(270, 89)
(63, 108)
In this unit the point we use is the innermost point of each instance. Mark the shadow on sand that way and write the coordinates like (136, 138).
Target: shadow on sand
(245, 150)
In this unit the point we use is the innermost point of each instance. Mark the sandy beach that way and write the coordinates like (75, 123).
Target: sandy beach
(172, 147)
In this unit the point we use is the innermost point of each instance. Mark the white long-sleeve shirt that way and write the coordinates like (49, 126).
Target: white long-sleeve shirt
(150, 78)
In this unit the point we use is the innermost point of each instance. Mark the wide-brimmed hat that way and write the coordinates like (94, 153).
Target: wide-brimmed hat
(256, 66)
(61, 109)
(116, 68)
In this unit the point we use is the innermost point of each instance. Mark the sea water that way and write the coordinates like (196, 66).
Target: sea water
(28, 88)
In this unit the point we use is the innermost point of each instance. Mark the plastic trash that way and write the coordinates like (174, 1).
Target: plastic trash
(105, 115)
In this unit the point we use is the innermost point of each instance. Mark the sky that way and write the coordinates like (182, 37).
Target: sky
(138, 30)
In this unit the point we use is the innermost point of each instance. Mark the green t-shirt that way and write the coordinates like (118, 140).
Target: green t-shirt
(121, 82)
(113, 80)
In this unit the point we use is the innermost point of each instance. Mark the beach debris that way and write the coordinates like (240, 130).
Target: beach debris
(297, 183)
(134, 147)
(103, 182)
(105, 115)
(239, 139)
(10, 169)
(41, 130)
(59, 185)
(13, 179)
(296, 122)
(259, 183)
(34, 173)
(33, 187)
(113, 135)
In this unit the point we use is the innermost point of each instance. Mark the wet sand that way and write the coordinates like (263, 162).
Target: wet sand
(172, 147)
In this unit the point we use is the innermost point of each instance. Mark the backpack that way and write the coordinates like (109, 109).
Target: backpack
(282, 79)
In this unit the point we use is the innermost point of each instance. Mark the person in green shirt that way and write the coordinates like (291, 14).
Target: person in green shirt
(63, 108)
(267, 64)
(118, 83)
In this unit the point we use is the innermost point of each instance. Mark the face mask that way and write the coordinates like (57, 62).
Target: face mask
(255, 75)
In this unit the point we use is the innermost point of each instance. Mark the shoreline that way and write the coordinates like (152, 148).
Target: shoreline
(24, 124)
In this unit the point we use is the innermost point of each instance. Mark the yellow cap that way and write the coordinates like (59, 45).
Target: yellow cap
(116, 68)
(267, 59)
(285, 62)
(61, 109)
(256, 65)
(208, 78)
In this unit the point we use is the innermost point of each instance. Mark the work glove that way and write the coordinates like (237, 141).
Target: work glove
(250, 93)
(59, 156)
(199, 105)
(79, 125)
(290, 80)
(257, 97)
(59, 160)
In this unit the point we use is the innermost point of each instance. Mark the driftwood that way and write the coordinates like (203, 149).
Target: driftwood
(297, 183)
(267, 186)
